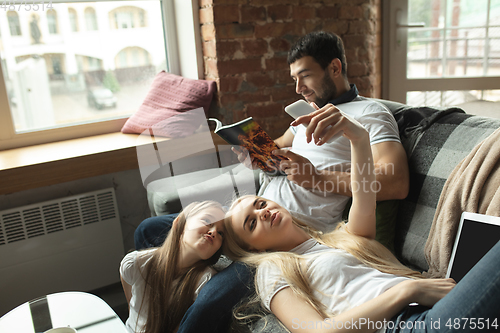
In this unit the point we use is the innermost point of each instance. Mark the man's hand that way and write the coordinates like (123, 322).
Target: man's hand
(298, 169)
(323, 124)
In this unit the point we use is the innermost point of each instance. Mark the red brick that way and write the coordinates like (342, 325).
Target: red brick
(207, 32)
(211, 67)
(239, 66)
(204, 3)
(279, 45)
(275, 126)
(264, 111)
(254, 97)
(355, 41)
(227, 48)
(226, 13)
(206, 15)
(303, 13)
(254, 47)
(209, 49)
(282, 93)
(276, 63)
(230, 101)
(283, 76)
(357, 69)
(336, 26)
(230, 84)
(252, 14)
(361, 27)
(231, 2)
(260, 80)
(327, 12)
(231, 31)
(278, 29)
(351, 12)
(279, 12)
(274, 2)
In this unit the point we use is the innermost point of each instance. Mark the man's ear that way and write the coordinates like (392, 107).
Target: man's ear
(335, 68)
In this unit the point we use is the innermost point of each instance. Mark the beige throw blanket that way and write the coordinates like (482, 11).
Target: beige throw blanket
(473, 186)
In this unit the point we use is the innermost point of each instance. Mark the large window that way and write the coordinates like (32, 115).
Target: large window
(443, 52)
(14, 26)
(56, 84)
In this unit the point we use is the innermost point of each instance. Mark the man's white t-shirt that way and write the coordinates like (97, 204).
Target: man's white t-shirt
(320, 209)
(132, 270)
(338, 279)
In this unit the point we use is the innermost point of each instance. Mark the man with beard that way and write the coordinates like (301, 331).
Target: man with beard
(318, 170)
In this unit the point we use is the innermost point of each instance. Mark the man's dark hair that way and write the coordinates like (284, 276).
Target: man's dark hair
(322, 46)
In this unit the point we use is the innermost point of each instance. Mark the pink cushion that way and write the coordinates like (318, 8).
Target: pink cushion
(168, 96)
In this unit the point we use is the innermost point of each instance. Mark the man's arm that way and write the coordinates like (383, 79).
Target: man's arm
(391, 170)
(285, 140)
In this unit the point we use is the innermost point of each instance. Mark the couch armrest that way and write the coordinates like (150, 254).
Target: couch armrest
(168, 195)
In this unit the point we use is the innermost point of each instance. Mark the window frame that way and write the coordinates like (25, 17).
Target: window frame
(183, 49)
(395, 84)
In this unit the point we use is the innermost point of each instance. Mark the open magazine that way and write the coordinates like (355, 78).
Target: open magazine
(248, 134)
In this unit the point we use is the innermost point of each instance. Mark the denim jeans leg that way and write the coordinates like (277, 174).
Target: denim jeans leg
(212, 310)
(153, 231)
(475, 299)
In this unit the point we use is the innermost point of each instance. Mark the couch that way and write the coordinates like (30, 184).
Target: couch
(435, 140)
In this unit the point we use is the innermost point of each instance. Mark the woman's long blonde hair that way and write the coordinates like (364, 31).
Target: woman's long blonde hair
(368, 251)
(170, 292)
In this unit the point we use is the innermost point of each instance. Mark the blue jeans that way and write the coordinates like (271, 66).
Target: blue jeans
(212, 310)
(476, 298)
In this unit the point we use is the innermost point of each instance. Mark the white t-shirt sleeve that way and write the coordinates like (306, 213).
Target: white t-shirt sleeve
(269, 282)
(380, 123)
(127, 271)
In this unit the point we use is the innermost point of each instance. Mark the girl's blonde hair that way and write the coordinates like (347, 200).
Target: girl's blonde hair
(170, 292)
(368, 251)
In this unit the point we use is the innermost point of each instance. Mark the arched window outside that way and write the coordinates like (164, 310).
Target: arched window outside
(52, 21)
(90, 19)
(73, 19)
(128, 17)
(14, 25)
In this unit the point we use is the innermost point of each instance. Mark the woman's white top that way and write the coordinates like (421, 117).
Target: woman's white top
(132, 271)
(338, 279)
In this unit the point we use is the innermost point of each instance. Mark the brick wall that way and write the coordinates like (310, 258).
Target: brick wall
(245, 43)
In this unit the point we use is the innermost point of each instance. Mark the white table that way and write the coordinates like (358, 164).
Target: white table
(84, 312)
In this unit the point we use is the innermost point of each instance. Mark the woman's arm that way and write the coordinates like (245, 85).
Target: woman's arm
(299, 316)
(363, 182)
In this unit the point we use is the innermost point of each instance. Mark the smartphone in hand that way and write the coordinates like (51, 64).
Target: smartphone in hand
(299, 108)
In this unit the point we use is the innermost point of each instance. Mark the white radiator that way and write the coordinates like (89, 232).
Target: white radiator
(73, 243)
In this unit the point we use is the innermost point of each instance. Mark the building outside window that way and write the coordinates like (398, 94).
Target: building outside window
(90, 19)
(73, 19)
(52, 21)
(14, 26)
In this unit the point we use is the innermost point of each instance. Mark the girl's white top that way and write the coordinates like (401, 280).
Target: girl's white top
(132, 271)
